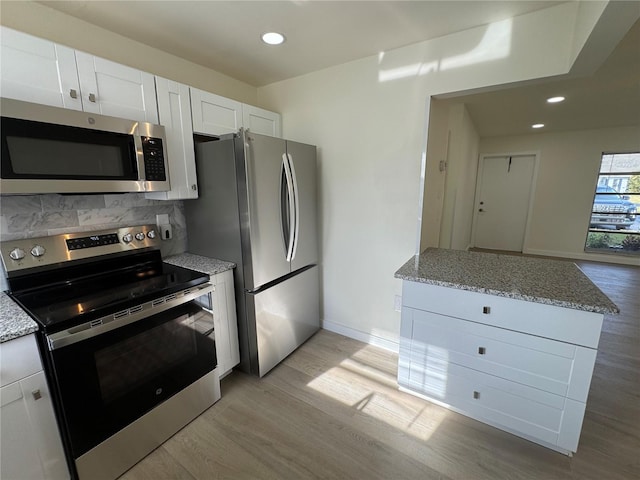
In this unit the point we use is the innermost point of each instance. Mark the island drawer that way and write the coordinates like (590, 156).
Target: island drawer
(558, 323)
(531, 413)
(560, 368)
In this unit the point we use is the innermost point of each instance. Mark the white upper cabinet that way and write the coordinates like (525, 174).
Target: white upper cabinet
(213, 114)
(40, 71)
(109, 88)
(216, 115)
(174, 111)
(258, 120)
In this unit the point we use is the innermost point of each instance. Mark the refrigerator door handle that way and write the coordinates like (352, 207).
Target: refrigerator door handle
(296, 214)
(290, 199)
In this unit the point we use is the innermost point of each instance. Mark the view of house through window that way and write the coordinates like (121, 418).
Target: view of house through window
(615, 216)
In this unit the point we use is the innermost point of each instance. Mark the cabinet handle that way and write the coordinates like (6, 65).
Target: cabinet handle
(486, 310)
(194, 187)
(92, 97)
(476, 394)
(482, 350)
(73, 93)
(36, 394)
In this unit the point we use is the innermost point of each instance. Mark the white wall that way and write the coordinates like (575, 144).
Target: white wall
(460, 184)
(567, 176)
(369, 119)
(44, 22)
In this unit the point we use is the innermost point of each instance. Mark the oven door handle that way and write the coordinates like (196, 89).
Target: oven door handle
(126, 317)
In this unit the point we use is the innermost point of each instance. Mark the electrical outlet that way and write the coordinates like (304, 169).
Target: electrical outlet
(397, 303)
(166, 232)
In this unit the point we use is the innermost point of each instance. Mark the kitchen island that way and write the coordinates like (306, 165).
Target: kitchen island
(508, 340)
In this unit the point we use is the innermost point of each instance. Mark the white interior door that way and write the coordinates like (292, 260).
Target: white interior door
(502, 201)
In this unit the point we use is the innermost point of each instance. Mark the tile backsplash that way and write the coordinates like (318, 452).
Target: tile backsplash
(27, 216)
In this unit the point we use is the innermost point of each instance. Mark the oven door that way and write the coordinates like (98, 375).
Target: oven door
(108, 381)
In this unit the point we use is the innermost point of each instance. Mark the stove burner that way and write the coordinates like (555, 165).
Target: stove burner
(100, 288)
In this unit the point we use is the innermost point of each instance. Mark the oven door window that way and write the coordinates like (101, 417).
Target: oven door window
(36, 150)
(109, 381)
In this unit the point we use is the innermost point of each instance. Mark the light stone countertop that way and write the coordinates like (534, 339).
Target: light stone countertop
(14, 322)
(212, 266)
(552, 282)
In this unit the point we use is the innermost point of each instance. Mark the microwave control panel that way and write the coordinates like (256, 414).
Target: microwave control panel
(154, 165)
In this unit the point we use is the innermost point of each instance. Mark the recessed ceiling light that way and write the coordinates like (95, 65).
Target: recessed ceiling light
(555, 99)
(537, 125)
(272, 38)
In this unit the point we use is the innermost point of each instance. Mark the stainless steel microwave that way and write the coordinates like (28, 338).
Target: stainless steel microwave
(55, 150)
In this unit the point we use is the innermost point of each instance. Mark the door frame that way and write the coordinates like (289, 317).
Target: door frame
(534, 180)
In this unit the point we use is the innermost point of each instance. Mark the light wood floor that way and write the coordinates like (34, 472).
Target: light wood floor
(332, 411)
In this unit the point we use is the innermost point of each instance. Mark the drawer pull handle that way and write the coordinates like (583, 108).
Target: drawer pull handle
(36, 394)
(486, 310)
(73, 93)
(476, 395)
(92, 97)
(482, 350)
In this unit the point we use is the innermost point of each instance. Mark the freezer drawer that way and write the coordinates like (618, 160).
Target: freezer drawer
(285, 315)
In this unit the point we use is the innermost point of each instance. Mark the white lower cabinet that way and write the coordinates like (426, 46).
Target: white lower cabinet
(225, 322)
(31, 447)
(462, 354)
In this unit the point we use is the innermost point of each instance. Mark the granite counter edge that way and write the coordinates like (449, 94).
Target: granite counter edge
(512, 295)
(200, 263)
(14, 322)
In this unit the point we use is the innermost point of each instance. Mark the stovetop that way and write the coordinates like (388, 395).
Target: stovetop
(64, 294)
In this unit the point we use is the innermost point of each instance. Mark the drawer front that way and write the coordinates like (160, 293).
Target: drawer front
(556, 367)
(548, 321)
(19, 358)
(508, 405)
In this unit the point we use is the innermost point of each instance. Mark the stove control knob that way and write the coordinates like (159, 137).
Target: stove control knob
(127, 237)
(139, 236)
(16, 254)
(38, 251)
(151, 234)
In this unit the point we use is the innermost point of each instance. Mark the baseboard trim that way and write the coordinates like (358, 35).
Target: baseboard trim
(390, 345)
(594, 257)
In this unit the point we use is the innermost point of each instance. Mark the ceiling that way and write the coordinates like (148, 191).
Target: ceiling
(225, 36)
(608, 98)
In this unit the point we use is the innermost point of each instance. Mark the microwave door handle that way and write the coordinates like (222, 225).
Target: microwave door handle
(291, 207)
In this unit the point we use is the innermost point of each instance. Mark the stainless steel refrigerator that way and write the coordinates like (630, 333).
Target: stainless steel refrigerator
(257, 208)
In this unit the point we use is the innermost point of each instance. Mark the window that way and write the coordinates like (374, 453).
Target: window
(615, 215)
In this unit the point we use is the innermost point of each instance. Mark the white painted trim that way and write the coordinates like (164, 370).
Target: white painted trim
(390, 345)
(594, 257)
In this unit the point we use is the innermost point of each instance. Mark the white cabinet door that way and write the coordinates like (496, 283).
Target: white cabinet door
(38, 71)
(109, 88)
(174, 110)
(213, 114)
(18, 447)
(31, 446)
(225, 323)
(261, 121)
